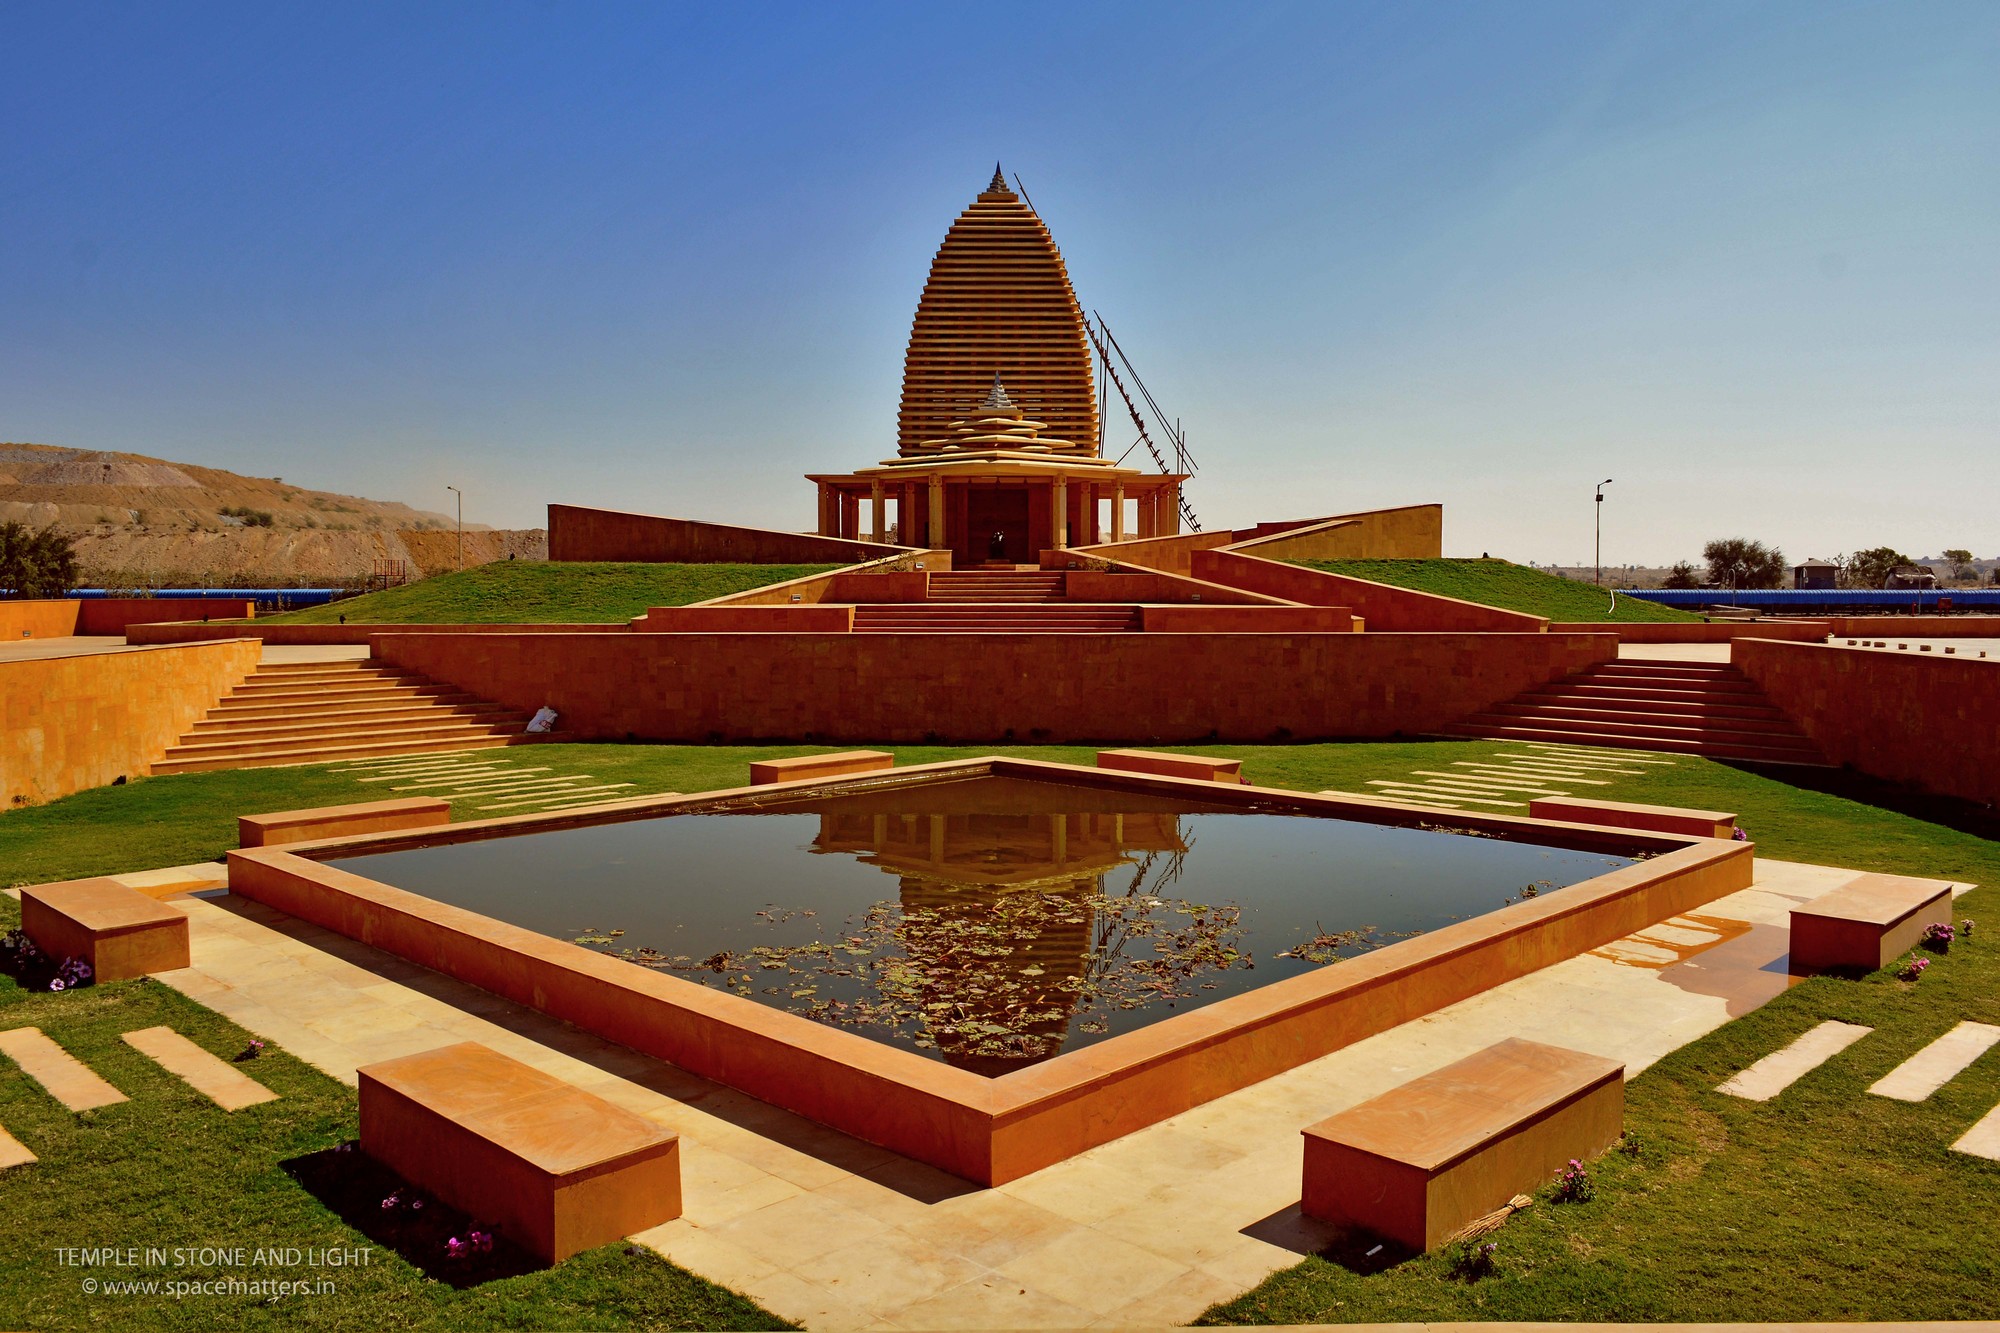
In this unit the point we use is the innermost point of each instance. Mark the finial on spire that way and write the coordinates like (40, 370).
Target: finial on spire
(999, 181)
(997, 397)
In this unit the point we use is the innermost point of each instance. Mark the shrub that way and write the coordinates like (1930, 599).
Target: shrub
(36, 564)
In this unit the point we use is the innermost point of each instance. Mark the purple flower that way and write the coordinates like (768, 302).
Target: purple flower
(57, 984)
(416, 1205)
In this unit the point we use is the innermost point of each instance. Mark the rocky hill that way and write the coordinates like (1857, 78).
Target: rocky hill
(142, 522)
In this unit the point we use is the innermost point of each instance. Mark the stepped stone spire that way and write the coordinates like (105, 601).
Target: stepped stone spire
(997, 396)
(998, 299)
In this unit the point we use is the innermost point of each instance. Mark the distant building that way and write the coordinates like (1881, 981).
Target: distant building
(1912, 576)
(1815, 574)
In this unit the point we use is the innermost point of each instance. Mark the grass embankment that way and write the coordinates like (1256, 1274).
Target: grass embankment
(171, 1169)
(1825, 1203)
(1508, 586)
(524, 592)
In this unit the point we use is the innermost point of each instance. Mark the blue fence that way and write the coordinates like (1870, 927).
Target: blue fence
(1846, 600)
(268, 600)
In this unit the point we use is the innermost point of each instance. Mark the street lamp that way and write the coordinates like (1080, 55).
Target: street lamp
(1600, 530)
(461, 525)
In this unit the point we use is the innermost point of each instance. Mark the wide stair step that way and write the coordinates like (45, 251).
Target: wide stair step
(988, 586)
(1708, 709)
(932, 618)
(298, 713)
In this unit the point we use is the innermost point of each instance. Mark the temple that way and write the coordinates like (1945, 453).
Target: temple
(999, 450)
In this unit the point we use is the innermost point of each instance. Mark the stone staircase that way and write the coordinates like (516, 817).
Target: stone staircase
(304, 712)
(1699, 708)
(996, 618)
(996, 585)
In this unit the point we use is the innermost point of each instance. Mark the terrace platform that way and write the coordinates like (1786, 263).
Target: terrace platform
(1150, 1229)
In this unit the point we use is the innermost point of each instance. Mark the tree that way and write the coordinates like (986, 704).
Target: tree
(1961, 563)
(35, 564)
(1872, 568)
(1737, 562)
(1682, 575)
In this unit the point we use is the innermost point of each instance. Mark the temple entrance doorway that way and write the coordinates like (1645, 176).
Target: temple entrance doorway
(996, 525)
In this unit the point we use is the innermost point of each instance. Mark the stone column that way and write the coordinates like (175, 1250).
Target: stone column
(934, 534)
(880, 503)
(1170, 510)
(1060, 514)
(826, 519)
(1118, 511)
(1146, 514)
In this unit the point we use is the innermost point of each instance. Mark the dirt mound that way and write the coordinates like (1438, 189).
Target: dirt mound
(151, 522)
(129, 557)
(80, 472)
(84, 490)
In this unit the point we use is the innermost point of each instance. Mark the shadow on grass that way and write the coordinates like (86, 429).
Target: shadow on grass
(416, 1227)
(1952, 812)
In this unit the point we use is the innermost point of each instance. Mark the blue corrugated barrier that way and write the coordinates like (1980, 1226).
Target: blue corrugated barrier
(1901, 600)
(267, 599)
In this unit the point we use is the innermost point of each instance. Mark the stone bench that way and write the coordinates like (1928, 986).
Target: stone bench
(556, 1169)
(806, 766)
(121, 932)
(341, 821)
(1867, 923)
(1418, 1163)
(1625, 814)
(1159, 763)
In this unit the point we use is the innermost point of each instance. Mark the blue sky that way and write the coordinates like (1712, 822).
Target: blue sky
(1743, 258)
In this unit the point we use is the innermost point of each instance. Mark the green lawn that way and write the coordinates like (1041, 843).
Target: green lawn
(1825, 1203)
(521, 592)
(169, 1168)
(1508, 586)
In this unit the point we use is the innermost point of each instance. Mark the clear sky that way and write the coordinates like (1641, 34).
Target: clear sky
(1744, 258)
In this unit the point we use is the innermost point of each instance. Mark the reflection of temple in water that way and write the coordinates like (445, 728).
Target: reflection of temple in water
(1007, 970)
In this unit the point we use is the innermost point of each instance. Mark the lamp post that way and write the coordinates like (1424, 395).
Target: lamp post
(461, 525)
(1599, 546)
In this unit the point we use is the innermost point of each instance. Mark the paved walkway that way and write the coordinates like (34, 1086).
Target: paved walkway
(81, 645)
(1505, 782)
(1151, 1229)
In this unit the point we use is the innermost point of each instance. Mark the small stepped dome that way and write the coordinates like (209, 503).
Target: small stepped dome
(997, 423)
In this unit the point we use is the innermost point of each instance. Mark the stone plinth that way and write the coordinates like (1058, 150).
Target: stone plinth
(1627, 814)
(1161, 764)
(1419, 1162)
(121, 932)
(807, 766)
(341, 821)
(1865, 924)
(557, 1169)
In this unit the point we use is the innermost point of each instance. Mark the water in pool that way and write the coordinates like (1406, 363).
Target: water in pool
(990, 922)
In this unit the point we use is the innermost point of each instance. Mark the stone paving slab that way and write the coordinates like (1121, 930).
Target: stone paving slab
(1983, 1139)
(62, 1075)
(219, 1081)
(1938, 1063)
(13, 1152)
(1150, 1229)
(1782, 1068)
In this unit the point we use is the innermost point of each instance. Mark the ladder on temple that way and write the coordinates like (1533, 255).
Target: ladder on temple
(1106, 345)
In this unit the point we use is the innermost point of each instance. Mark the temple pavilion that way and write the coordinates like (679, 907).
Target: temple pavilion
(999, 449)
